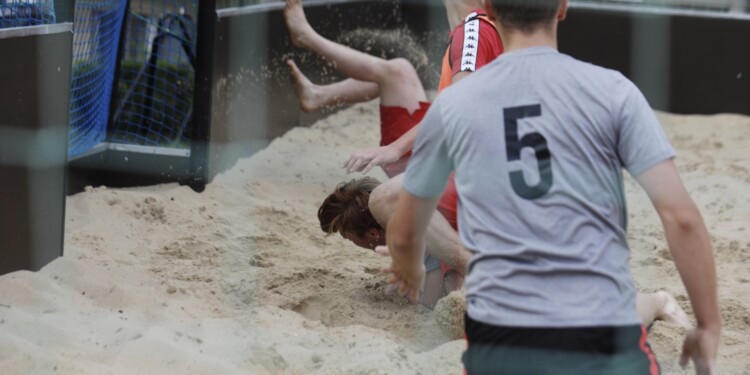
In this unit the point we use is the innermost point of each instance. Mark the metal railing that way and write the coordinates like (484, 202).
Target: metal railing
(735, 6)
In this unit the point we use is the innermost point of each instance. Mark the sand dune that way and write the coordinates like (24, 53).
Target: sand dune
(240, 279)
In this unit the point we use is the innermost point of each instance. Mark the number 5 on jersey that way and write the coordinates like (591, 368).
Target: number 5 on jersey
(514, 144)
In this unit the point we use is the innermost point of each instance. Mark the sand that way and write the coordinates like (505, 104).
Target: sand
(240, 279)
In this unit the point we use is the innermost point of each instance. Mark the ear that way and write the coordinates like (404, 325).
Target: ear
(373, 232)
(563, 11)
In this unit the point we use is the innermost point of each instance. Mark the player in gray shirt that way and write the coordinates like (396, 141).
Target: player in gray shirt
(538, 141)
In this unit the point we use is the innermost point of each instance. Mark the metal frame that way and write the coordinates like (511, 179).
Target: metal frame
(17, 32)
(259, 8)
(659, 10)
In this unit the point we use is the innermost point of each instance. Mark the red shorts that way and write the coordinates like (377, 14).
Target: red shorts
(448, 207)
(395, 122)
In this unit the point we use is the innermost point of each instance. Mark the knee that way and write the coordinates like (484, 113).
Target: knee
(401, 67)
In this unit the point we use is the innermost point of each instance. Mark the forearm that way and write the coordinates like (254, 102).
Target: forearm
(405, 143)
(690, 247)
(406, 244)
(443, 243)
(407, 228)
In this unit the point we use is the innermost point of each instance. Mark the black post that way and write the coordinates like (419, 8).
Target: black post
(64, 11)
(118, 66)
(201, 132)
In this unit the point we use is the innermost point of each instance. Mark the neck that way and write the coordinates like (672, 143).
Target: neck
(458, 10)
(540, 37)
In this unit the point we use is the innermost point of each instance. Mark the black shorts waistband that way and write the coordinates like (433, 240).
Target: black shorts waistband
(601, 340)
(615, 350)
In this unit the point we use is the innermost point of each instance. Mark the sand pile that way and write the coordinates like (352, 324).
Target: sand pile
(449, 314)
(240, 279)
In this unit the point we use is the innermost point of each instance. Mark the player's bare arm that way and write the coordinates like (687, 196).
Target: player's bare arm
(406, 243)
(691, 250)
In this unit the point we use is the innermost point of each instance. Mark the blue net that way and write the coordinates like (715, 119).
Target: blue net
(96, 33)
(155, 90)
(18, 13)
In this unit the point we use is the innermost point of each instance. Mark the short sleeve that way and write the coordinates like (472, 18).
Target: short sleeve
(474, 46)
(641, 141)
(430, 164)
(490, 45)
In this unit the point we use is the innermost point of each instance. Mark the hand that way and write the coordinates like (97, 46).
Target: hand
(701, 345)
(407, 278)
(364, 160)
(383, 250)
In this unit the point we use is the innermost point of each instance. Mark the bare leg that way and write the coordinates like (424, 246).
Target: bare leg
(313, 97)
(441, 240)
(661, 306)
(398, 81)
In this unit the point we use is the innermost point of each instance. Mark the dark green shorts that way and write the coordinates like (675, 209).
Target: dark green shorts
(557, 351)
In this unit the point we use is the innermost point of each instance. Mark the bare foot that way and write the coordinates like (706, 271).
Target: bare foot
(306, 90)
(299, 29)
(670, 311)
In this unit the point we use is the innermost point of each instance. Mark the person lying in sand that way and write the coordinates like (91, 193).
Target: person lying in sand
(347, 212)
(350, 211)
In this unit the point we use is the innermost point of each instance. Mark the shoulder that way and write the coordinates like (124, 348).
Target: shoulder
(475, 24)
(609, 80)
(622, 95)
(474, 44)
(610, 75)
(489, 39)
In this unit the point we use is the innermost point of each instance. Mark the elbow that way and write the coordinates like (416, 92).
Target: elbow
(685, 219)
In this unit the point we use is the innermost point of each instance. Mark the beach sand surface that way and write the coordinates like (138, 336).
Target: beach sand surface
(241, 280)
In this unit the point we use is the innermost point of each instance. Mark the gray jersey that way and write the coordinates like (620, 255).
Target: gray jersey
(538, 141)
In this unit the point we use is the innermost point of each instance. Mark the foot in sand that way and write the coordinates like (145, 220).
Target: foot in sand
(309, 100)
(299, 29)
(670, 311)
